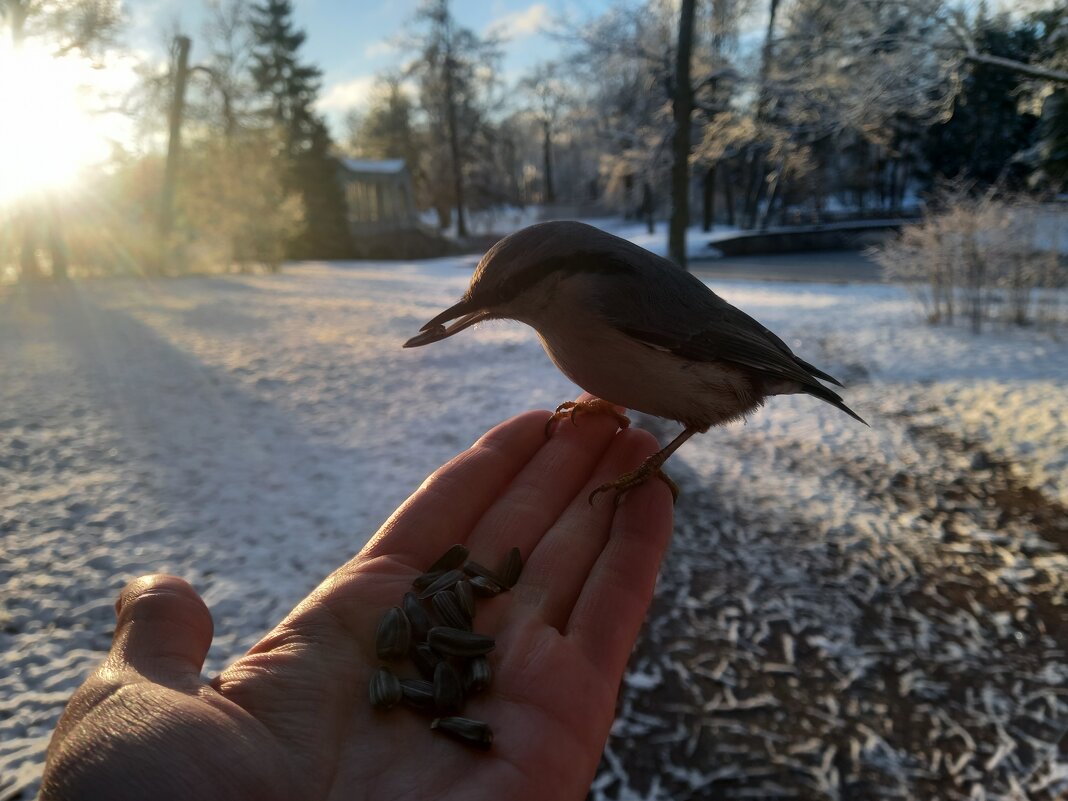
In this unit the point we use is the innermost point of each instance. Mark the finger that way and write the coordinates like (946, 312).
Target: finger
(543, 489)
(613, 602)
(561, 562)
(445, 509)
(163, 631)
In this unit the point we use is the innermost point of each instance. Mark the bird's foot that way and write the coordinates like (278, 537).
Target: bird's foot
(646, 470)
(572, 409)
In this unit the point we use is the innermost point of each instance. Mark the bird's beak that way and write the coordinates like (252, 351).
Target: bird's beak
(465, 315)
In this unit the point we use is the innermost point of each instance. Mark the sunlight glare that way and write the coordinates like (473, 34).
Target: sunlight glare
(47, 135)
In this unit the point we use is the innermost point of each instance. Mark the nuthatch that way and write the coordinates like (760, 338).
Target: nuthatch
(632, 329)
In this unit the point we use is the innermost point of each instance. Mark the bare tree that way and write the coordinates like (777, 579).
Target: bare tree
(549, 96)
(682, 110)
(455, 72)
(230, 94)
(68, 25)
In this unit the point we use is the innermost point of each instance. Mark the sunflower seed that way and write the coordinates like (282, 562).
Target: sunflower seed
(425, 659)
(442, 582)
(475, 569)
(457, 642)
(418, 693)
(477, 675)
(466, 596)
(385, 689)
(485, 587)
(394, 634)
(513, 565)
(448, 689)
(473, 732)
(450, 560)
(448, 609)
(417, 616)
(424, 580)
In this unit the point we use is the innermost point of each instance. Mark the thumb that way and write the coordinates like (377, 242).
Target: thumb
(163, 630)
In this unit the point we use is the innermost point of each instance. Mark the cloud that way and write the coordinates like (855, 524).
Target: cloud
(520, 24)
(345, 95)
(380, 49)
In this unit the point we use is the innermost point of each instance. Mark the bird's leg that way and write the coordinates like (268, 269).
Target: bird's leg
(647, 469)
(573, 408)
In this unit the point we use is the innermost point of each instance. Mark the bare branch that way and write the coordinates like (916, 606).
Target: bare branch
(1030, 70)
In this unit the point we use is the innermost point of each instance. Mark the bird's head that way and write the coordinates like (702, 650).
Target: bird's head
(517, 278)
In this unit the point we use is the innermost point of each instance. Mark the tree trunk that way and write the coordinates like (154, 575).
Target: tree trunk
(648, 206)
(165, 221)
(547, 154)
(29, 266)
(709, 211)
(728, 193)
(753, 188)
(454, 133)
(444, 211)
(17, 15)
(57, 245)
(776, 188)
(682, 110)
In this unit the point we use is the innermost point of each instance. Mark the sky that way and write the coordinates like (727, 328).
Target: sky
(353, 40)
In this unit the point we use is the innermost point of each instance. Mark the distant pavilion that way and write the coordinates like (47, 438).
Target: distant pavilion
(379, 196)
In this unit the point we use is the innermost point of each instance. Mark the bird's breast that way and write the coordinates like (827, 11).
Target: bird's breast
(613, 366)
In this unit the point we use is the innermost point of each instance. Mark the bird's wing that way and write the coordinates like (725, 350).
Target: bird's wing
(722, 341)
(678, 313)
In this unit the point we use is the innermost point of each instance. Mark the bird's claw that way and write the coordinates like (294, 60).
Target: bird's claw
(571, 409)
(628, 481)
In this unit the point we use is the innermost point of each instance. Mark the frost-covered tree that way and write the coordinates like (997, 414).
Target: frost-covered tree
(455, 69)
(548, 96)
(63, 25)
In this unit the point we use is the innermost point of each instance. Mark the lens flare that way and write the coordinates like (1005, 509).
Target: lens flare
(47, 135)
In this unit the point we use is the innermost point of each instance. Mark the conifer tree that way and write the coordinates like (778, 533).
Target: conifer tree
(290, 88)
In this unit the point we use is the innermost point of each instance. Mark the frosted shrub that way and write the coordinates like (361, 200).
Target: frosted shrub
(984, 258)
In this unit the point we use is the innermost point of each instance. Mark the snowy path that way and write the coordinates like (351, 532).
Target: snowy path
(258, 430)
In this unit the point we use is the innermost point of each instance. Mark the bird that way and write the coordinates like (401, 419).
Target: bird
(634, 330)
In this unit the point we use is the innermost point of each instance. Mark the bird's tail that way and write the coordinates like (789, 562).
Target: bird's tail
(833, 398)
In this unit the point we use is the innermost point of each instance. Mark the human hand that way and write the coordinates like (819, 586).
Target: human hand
(291, 719)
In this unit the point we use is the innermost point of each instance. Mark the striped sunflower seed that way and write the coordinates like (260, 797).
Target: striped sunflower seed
(477, 675)
(448, 689)
(418, 693)
(448, 609)
(450, 560)
(466, 596)
(417, 616)
(394, 634)
(424, 580)
(513, 566)
(475, 569)
(385, 689)
(485, 587)
(425, 659)
(442, 582)
(466, 730)
(457, 642)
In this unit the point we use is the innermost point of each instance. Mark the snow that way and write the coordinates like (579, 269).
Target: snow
(251, 433)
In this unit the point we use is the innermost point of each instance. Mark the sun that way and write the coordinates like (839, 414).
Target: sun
(47, 136)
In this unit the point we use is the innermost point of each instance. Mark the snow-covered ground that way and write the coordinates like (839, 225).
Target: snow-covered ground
(250, 433)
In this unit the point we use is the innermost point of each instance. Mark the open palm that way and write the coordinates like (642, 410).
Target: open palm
(291, 720)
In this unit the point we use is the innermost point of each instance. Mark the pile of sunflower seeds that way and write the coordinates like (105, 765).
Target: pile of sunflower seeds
(433, 628)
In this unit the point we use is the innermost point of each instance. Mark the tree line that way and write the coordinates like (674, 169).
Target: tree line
(653, 109)
(681, 110)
